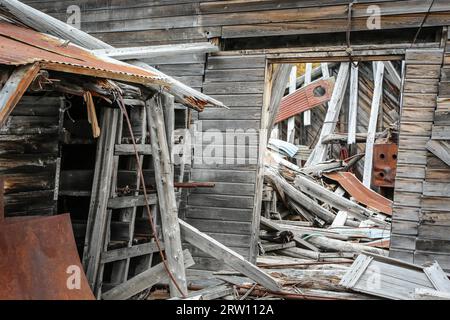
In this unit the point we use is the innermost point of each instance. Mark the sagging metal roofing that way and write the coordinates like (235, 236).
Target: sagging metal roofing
(20, 13)
(22, 46)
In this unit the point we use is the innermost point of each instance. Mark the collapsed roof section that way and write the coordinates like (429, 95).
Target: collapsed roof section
(19, 13)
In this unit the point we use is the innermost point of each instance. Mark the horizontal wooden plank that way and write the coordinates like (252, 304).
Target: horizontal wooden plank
(407, 157)
(404, 255)
(408, 228)
(236, 87)
(241, 100)
(407, 199)
(435, 218)
(403, 242)
(434, 232)
(224, 214)
(216, 62)
(220, 226)
(411, 171)
(406, 213)
(233, 114)
(415, 100)
(425, 114)
(423, 71)
(230, 176)
(423, 257)
(131, 201)
(129, 149)
(440, 176)
(436, 203)
(409, 185)
(225, 188)
(441, 132)
(216, 200)
(433, 245)
(233, 75)
(228, 125)
(424, 56)
(436, 189)
(415, 128)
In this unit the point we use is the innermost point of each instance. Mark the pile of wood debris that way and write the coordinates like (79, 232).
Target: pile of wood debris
(325, 236)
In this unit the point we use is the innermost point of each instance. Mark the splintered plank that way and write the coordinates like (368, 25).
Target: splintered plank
(226, 255)
(14, 89)
(143, 281)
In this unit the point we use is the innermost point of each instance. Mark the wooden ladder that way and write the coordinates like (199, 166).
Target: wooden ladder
(119, 243)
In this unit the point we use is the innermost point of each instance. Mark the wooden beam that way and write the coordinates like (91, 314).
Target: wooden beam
(371, 131)
(149, 52)
(353, 107)
(224, 254)
(144, 280)
(331, 118)
(14, 88)
(166, 194)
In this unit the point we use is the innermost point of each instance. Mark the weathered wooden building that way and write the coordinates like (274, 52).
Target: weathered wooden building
(255, 36)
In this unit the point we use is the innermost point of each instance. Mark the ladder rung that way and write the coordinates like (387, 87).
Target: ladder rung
(128, 149)
(131, 252)
(131, 201)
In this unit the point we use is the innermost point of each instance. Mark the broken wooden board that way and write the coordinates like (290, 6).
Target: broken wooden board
(143, 281)
(217, 250)
(391, 278)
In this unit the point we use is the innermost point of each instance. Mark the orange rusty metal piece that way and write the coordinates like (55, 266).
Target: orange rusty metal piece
(313, 95)
(21, 46)
(38, 258)
(384, 164)
(363, 195)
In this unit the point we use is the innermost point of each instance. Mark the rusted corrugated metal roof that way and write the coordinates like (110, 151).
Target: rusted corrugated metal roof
(21, 46)
(306, 98)
(357, 190)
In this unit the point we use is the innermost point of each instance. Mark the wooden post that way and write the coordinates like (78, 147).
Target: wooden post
(353, 107)
(101, 190)
(166, 195)
(334, 108)
(371, 131)
(14, 88)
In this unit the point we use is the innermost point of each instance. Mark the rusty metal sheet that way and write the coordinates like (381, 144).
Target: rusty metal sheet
(360, 193)
(384, 164)
(38, 258)
(306, 98)
(20, 46)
